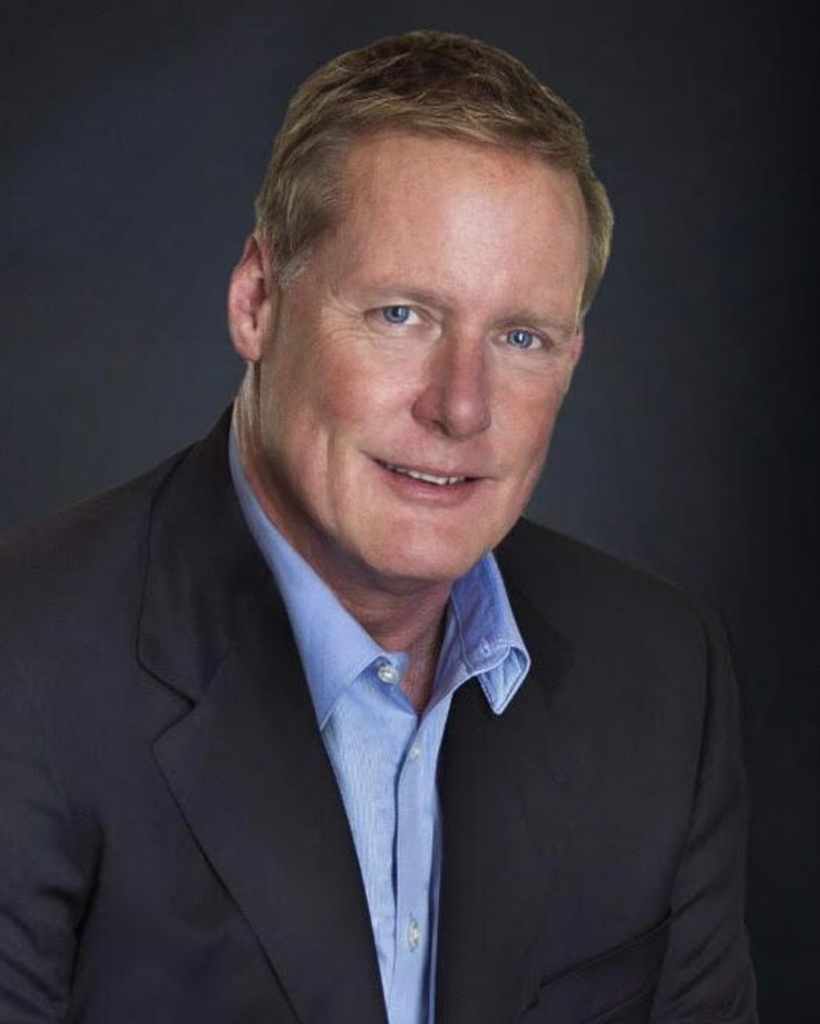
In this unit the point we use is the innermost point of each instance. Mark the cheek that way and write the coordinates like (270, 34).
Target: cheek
(317, 410)
(358, 396)
(342, 394)
(293, 385)
(527, 427)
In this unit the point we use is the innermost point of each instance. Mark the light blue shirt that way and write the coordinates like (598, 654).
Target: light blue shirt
(383, 754)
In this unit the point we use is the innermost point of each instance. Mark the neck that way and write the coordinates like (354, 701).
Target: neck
(413, 623)
(399, 618)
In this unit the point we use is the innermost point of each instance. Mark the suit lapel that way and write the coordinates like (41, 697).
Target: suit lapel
(507, 796)
(246, 763)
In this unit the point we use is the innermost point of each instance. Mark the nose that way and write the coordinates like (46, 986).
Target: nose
(455, 398)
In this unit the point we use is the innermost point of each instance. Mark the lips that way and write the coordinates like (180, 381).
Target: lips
(423, 476)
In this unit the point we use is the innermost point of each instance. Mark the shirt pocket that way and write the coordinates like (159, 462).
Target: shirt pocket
(615, 987)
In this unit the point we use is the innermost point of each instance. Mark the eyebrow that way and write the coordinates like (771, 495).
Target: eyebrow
(413, 295)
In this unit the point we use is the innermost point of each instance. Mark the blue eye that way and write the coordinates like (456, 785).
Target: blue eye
(396, 314)
(521, 338)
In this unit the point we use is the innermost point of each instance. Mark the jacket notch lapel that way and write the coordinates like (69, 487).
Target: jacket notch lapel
(252, 779)
(245, 762)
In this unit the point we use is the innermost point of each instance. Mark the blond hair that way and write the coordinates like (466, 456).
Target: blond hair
(433, 83)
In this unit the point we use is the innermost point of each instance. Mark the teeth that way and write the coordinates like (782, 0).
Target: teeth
(427, 478)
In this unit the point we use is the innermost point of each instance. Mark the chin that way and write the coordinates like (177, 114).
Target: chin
(435, 561)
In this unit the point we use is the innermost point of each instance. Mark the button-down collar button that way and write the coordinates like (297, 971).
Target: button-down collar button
(413, 934)
(387, 672)
(485, 648)
(414, 752)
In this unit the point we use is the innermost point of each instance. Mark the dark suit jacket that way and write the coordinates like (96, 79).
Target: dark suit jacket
(173, 848)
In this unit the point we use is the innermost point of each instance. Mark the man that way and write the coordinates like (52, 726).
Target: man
(281, 738)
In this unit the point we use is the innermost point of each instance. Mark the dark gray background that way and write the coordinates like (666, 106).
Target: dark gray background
(133, 139)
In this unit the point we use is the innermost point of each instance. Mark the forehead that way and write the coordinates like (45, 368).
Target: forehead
(458, 216)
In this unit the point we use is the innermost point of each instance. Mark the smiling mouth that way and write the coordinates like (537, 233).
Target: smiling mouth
(427, 478)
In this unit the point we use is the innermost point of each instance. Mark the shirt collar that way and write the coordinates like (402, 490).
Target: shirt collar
(481, 635)
(486, 638)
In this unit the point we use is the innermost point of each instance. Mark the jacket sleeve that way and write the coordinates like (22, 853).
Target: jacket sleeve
(42, 881)
(707, 976)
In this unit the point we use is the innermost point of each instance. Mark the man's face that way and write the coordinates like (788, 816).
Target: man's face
(411, 374)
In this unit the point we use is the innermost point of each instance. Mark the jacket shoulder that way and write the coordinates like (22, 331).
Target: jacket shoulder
(581, 589)
(59, 570)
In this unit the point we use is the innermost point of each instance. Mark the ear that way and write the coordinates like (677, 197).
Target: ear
(253, 298)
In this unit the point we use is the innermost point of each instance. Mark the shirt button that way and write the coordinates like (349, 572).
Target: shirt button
(413, 935)
(485, 648)
(414, 752)
(388, 673)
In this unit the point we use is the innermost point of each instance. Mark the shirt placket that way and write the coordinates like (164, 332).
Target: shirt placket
(414, 849)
